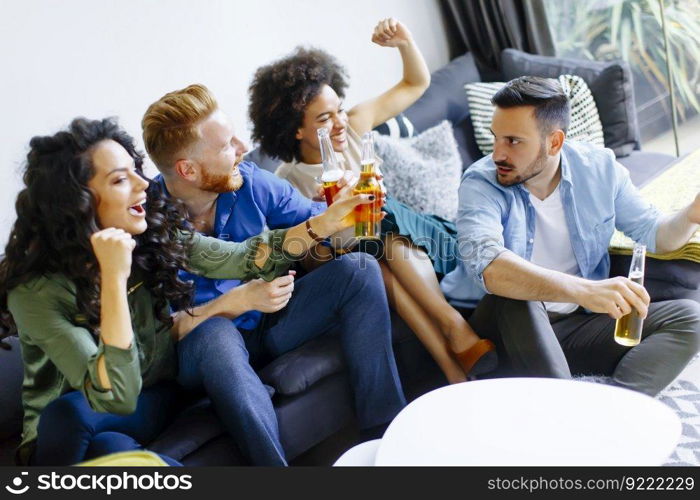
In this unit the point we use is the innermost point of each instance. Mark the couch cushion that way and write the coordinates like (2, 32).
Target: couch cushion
(297, 370)
(221, 450)
(10, 389)
(611, 85)
(197, 437)
(305, 420)
(417, 169)
(191, 429)
(663, 279)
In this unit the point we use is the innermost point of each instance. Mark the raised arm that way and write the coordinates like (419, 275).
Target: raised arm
(109, 373)
(113, 248)
(416, 78)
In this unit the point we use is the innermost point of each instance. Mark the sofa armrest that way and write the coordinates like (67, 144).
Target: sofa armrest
(663, 279)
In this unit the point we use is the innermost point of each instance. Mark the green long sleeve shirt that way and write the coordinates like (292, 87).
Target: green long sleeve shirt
(60, 354)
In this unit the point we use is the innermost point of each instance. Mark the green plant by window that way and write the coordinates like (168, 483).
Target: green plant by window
(631, 30)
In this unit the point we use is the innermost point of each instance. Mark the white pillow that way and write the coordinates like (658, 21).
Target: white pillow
(423, 171)
(585, 125)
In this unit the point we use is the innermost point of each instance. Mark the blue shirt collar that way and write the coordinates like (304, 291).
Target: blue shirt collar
(565, 168)
(224, 208)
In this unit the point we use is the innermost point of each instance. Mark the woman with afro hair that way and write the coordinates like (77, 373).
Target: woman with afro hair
(290, 100)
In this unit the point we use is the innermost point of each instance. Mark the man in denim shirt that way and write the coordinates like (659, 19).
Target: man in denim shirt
(534, 223)
(199, 156)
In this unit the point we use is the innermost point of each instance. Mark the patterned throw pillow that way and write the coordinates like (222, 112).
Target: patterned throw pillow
(585, 123)
(398, 126)
(423, 171)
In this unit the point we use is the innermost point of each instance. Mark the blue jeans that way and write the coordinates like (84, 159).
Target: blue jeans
(344, 297)
(70, 431)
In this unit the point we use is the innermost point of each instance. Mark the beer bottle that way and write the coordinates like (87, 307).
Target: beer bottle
(628, 329)
(331, 170)
(368, 217)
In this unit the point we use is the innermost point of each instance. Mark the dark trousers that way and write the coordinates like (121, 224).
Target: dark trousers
(344, 297)
(531, 343)
(71, 432)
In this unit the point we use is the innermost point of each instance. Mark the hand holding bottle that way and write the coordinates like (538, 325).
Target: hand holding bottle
(340, 214)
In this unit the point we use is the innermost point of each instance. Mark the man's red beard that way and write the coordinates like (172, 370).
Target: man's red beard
(222, 183)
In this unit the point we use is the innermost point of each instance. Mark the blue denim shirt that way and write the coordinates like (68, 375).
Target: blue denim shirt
(264, 201)
(597, 194)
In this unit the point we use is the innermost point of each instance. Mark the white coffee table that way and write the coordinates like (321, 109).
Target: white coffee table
(360, 455)
(531, 421)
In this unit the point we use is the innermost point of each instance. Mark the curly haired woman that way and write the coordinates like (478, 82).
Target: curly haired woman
(88, 277)
(293, 97)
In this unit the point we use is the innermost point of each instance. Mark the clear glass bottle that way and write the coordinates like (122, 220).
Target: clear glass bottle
(628, 329)
(368, 217)
(331, 170)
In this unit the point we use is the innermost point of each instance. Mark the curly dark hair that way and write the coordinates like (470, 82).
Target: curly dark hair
(281, 91)
(56, 215)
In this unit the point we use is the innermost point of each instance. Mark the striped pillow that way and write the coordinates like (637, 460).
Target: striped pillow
(585, 125)
(396, 127)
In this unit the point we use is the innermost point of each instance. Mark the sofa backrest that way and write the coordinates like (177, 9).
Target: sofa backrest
(446, 99)
(11, 375)
(611, 84)
(262, 160)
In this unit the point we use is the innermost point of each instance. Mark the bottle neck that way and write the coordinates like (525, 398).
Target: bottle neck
(328, 157)
(367, 168)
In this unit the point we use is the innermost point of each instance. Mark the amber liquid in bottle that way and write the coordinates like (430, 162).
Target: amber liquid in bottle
(332, 172)
(628, 329)
(368, 217)
(330, 185)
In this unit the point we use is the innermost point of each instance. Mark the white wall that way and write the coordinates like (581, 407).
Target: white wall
(96, 58)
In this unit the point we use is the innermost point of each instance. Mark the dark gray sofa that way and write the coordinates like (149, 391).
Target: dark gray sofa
(313, 399)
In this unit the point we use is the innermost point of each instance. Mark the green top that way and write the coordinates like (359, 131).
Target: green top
(60, 353)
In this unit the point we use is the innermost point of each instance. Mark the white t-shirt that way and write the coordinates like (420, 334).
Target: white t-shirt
(552, 246)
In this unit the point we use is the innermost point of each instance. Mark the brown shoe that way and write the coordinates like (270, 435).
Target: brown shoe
(479, 358)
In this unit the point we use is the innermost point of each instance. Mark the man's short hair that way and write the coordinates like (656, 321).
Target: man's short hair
(552, 110)
(170, 124)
